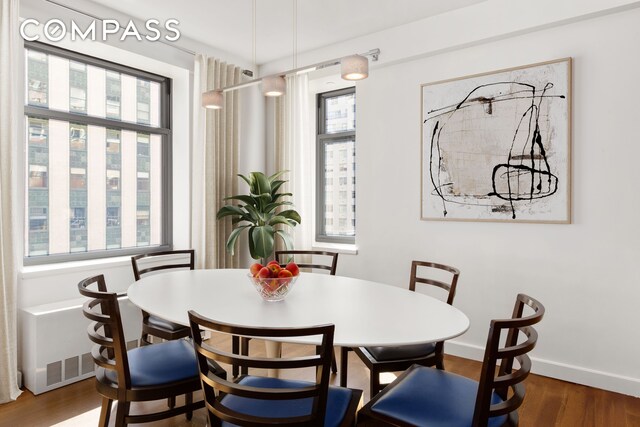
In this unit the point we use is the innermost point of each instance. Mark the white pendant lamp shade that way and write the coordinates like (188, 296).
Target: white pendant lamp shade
(213, 99)
(354, 67)
(273, 86)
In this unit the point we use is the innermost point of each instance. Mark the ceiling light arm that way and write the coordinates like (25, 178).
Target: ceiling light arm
(373, 53)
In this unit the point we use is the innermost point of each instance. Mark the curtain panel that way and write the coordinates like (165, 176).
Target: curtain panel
(9, 140)
(294, 152)
(214, 162)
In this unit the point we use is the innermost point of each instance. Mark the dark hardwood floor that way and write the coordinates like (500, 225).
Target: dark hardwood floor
(549, 402)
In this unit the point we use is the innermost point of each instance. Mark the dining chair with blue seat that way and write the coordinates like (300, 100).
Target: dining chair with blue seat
(258, 400)
(424, 396)
(399, 358)
(159, 261)
(153, 372)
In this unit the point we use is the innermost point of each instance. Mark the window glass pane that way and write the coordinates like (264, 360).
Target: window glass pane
(126, 178)
(339, 157)
(340, 113)
(91, 188)
(114, 90)
(114, 95)
(37, 78)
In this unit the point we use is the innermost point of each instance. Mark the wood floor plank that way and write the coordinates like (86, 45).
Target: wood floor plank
(549, 402)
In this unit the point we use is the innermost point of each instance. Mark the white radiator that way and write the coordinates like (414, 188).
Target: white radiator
(55, 348)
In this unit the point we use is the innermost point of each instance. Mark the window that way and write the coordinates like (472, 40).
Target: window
(336, 161)
(98, 157)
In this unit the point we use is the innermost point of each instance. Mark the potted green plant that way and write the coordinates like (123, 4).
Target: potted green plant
(260, 212)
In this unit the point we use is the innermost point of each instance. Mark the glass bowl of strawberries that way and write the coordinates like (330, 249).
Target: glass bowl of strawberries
(273, 281)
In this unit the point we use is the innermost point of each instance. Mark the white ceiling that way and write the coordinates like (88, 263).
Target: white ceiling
(226, 24)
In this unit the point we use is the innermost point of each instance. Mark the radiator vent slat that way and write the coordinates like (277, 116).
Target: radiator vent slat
(54, 372)
(71, 368)
(87, 363)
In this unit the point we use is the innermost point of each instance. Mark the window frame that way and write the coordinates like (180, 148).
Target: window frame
(322, 139)
(164, 130)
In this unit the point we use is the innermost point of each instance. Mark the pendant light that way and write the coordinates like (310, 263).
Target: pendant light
(273, 86)
(213, 99)
(354, 67)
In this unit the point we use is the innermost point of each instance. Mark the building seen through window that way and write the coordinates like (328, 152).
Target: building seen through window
(336, 165)
(96, 144)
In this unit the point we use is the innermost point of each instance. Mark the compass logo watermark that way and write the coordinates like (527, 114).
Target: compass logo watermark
(55, 30)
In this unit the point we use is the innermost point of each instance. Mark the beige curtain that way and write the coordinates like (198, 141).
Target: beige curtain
(9, 134)
(294, 152)
(215, 162)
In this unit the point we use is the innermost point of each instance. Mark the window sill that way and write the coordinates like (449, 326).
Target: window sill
(41, 270)
(341, 248)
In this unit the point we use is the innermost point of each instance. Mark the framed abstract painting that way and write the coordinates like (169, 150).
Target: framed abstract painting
(496, 146)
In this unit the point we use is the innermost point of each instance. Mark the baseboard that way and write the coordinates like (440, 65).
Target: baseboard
(548, 368)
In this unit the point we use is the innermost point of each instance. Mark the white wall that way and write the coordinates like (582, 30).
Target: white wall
(585, 273)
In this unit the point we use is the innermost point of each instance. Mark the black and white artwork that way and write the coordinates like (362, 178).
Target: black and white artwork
(496, 146)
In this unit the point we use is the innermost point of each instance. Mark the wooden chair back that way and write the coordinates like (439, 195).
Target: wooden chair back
(449, 286)
(331, 267)
(212, 383)
(105, 330)
(138, 272)
(507, 383)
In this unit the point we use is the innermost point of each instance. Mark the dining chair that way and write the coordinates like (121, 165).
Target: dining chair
(153, 372)
(399, 358)
(424, 396)
(157, 261)
(283, 258)
(252, 400)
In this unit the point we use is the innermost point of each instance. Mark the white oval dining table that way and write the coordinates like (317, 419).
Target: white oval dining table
(364, 313)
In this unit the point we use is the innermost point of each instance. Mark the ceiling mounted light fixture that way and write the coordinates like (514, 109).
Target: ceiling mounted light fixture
(354, 67)
(213, 99)
(273, 86)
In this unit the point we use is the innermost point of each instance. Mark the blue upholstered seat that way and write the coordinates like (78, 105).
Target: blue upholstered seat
(431, 397)
(159, 322)
(160, 363)
(337, 401)
(384, 354)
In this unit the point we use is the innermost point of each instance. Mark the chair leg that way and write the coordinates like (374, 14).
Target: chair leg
(344, 362)
(244, 350)
(235, 349)
(145, 339)
(374, 383)
(122, 410)
(105, 412)
(188, 400)
(334, 364)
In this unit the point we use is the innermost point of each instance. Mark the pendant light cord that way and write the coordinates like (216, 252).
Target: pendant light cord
(295, 34)
(253, 35)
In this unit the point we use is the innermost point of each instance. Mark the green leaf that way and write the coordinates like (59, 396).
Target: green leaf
(271, 206)
(233, 237)
(291, 214)
(263, 237)
(229, 210)
(252, 246)
(277, 174)
(260, 183)
(275, 186)
(253, 212)
(277, 196)
(286, 238)
(279, 220)
(247, 180)
(249, 200)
